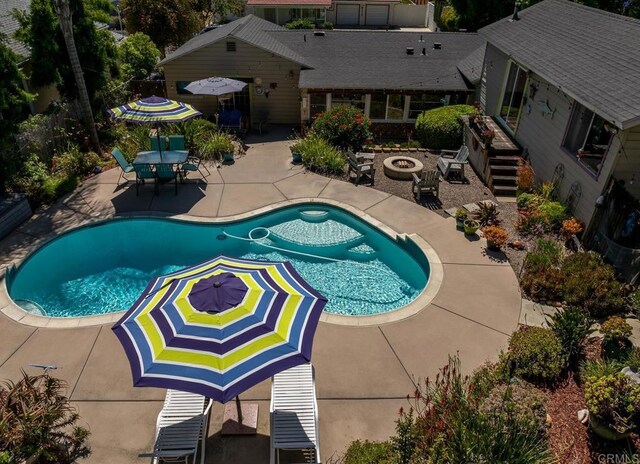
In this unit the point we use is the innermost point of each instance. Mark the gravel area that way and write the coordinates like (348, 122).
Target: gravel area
(453, 193)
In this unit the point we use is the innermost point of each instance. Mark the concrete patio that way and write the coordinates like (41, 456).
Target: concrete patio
(363, 374)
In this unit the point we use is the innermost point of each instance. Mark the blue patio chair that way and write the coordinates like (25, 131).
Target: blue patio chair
(155, 146)
(125, 167)
(143, 173)
(176, 143)
(166, 173)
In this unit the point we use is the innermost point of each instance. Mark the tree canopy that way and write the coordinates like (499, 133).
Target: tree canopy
(49, 59)
(138, 56)
(168, 23)
(13, 97)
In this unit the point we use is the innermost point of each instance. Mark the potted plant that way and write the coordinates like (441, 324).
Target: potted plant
(571, 227)
(613, 402)
(496, 237)
(461, 216)
(471, 226)
(487, 137)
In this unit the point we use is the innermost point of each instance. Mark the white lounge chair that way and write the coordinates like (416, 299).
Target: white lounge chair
(181, 428)
(428, 182)
(361, 165)
(294, 413)
(453, 161)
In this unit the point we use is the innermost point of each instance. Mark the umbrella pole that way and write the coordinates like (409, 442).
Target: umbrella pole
(158, 136)
(239, 409)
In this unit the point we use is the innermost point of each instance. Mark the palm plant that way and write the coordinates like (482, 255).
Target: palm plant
(37, 419)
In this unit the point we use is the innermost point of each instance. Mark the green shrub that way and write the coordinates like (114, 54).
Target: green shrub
(531, 221)
(526, 200)
(369, 452)
(132, 140)
(614, 399)
(519, 400)
(343, 127)
(212, 145)
(73, 162)
(305, 23)
(447, 420)
(449, 19)
(55, 187)
(572, 326)
(326, 25)
(36, 418)
(634, 302)
(318, 155)
(542, 278)
(591, 284)
(138, 55)
(597, 368)
(441, 128)
(30, 174)
(535, 354)
(616, 329)
(553, 213)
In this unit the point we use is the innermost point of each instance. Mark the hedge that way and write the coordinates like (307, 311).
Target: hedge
(441, 128)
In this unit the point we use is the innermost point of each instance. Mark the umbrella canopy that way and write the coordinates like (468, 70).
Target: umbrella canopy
(220, 327)
(154, 110)
(215, 86)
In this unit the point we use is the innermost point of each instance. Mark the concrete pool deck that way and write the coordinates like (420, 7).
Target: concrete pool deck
(363, 374)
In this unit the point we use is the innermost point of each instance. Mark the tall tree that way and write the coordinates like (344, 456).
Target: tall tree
(217, 10)
(169, 23)
(13, 102)
(66, 25)
(40, 30)
(138, 56)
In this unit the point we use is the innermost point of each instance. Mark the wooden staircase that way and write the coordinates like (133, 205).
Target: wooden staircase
(503, 172)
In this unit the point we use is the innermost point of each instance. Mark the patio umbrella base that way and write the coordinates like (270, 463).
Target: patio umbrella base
(230, 424)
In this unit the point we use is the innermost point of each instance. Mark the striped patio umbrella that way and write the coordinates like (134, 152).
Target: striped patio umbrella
(220, 327)
(154, 110)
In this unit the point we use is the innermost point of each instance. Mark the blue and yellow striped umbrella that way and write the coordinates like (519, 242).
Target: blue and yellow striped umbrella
(154, 110)
(220, 327)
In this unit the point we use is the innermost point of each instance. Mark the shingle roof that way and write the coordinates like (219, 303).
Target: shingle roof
(9, 25)
(378, 59)
(471, 66)
(319, 3)
(590, 54)
(250, 29)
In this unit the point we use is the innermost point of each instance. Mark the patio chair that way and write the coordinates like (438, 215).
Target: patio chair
(194, 164)
(262, 121)
(143, 173)
(155, 145)
(176, 143)
(181, 428)
(294, 413)
(428, 182)
(360, 167)
(453, 161)
(166, 173)
(125, 167)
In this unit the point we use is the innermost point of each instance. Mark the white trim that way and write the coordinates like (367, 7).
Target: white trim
(367, 104)
(407, 103)
(328, 101)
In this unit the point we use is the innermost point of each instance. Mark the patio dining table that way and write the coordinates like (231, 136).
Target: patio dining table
(168, 157)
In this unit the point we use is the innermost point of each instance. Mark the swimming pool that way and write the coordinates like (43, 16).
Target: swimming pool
(102, 268)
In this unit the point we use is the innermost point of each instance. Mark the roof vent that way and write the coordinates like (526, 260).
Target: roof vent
(319, 33)
(409, 50)
(437, 45)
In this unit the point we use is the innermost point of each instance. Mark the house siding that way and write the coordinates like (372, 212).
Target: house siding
(283, 102)
(542, 135)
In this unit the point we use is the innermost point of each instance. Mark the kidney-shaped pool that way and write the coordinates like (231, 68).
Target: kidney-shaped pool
(102, 268)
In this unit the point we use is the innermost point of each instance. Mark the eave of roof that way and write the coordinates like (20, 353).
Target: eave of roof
(591, 55)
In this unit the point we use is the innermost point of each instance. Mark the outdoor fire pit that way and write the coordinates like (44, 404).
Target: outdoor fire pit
(402, 167)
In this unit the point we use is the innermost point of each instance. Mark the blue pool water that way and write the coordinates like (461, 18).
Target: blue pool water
(104, 267)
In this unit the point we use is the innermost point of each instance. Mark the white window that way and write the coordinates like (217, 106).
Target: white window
(386, 107)
(513, 96)
(348, 99)
(423, 102)
(587, 138)
(317, 104)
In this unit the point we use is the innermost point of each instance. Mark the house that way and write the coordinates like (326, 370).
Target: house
(345, 13)
(561, 80)
(8, 27)
(296, 74)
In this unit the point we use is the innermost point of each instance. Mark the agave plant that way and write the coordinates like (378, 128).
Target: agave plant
(487, 214)
(37, 419)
